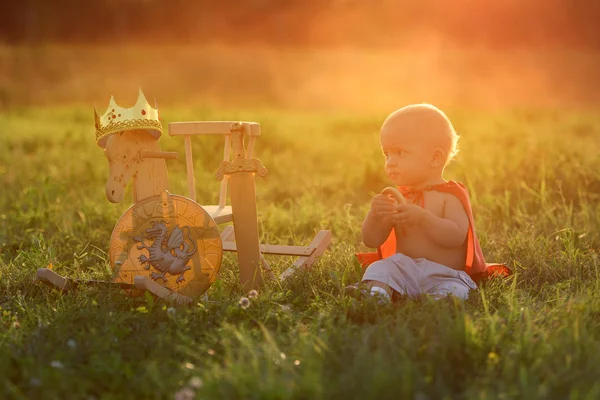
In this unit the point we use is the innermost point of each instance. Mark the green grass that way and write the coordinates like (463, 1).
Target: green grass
(534, 177)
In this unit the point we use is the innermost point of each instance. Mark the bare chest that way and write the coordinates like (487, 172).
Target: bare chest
(415, 242)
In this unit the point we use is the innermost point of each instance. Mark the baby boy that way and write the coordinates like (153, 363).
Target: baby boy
(433, 247)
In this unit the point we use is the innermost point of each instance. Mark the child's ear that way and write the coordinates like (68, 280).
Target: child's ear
(439, 157)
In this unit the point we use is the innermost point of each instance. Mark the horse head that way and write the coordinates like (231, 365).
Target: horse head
(123, 151)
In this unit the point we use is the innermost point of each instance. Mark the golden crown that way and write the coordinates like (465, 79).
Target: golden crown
(117, 119)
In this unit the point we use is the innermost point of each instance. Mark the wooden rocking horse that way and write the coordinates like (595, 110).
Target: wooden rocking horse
(169, 244)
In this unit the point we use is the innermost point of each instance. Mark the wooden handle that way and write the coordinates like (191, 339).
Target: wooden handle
(159, 154)
(213, 128)
(52, 279)
(395, 194)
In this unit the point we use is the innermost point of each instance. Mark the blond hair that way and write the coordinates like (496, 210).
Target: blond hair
(428, 120)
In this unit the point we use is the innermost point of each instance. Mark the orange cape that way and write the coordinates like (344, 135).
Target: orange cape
(475, 264)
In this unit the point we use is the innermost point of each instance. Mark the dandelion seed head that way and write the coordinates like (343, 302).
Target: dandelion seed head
(252, 294)
(244, 302)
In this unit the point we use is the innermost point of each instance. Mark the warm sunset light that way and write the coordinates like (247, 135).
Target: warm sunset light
(300, 199)
(309, 54)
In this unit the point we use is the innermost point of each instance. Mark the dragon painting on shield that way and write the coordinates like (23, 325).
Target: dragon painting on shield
(169, 251)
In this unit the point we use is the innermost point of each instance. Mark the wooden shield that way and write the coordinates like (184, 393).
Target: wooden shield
(169, 239)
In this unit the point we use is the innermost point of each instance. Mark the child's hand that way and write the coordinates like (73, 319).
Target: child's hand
(383, 208)
(409, 215)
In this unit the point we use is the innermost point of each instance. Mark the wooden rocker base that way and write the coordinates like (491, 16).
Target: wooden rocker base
(307, 255)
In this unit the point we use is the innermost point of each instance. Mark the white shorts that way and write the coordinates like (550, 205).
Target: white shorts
(414, 277)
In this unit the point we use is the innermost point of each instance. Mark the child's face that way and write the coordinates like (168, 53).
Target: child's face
(407, 156)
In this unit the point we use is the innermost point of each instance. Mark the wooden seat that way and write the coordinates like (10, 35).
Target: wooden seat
(220, 214)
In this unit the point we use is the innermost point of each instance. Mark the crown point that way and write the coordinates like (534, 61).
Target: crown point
(141, 98)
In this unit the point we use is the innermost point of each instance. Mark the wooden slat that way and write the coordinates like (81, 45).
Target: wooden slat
(211, 128)
(224, 215)
(189, 165)
(320, 244)
(281, 250)
(228, 234)
(226, 156)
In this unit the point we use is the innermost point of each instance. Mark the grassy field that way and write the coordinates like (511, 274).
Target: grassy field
(534, 177)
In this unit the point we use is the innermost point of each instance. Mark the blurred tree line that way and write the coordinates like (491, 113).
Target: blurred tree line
(494, 23)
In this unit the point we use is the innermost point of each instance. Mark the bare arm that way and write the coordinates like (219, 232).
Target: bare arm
(379, 221)
(375, 231)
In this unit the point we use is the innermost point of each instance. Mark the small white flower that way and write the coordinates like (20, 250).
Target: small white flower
(185, 394)
(57, 364)
(171, 311)
(283, 356)
(285, 308)
(244, 303)
(189, 365)
(72, 344)
(196, 382)
(252, 294)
